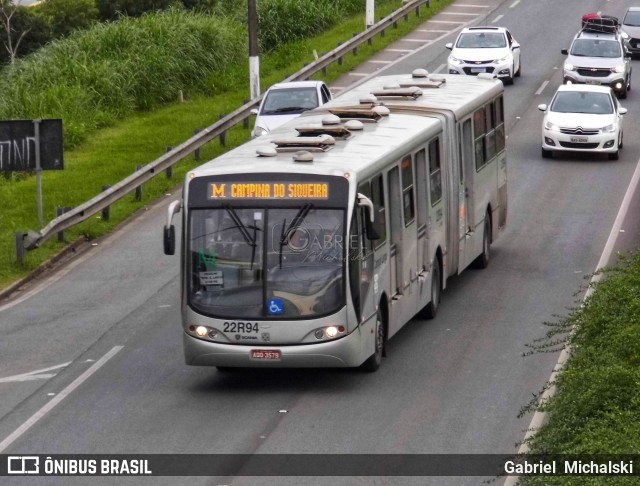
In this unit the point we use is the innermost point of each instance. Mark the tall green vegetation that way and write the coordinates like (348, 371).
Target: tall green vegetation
(596, 409)
(99, 75)
(66, 16)
(93, 77)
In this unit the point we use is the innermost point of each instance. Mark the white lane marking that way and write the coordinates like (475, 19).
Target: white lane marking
(539, 418)
(514, 4)
(34, 375)
(439, 68)
(541, 88)
(457, 13)
(446, 22)
(380, 62)
(61, 396)
(358, 74)
(399, 50)
(416, 40)
(497, 19)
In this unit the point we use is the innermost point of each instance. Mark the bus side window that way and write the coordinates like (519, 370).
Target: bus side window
(490, 143)
(499, 117)
(435, 172)
(479, 132)
(377, 197)
(407, 190)
(421, 186)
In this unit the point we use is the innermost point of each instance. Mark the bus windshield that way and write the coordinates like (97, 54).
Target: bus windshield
(257, 263)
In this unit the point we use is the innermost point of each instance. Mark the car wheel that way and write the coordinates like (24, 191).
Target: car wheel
(546, 154)
(517, 75)
(614, 155)
(620, 140)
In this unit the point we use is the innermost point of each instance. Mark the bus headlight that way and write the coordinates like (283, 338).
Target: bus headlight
(204, 332)
(329, 332)
(201, 331)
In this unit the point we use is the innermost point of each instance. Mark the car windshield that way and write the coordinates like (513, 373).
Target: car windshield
(596, 48)
(475, 40)
(582, 102)
(266, 263)
(632, 19)
(290, 101)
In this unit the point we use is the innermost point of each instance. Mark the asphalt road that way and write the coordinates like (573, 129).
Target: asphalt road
(449, 386)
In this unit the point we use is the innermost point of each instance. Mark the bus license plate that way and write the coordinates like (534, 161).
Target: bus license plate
(266, 354)
(579, 139)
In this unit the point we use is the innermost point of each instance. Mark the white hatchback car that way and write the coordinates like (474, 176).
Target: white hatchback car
(485, 50)
(582, 118)
(285, 101)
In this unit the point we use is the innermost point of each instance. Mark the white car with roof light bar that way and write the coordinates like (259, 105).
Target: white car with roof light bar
(631, 26)
(490, 50)
(598, 55)
(284, 101)
(582, 118)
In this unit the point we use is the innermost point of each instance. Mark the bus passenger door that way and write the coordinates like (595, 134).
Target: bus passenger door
(466, 199)
(395, 220)
(436, 226)
(365, 260)
(422, 214)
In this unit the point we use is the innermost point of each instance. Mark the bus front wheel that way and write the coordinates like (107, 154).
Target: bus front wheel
(375, 360)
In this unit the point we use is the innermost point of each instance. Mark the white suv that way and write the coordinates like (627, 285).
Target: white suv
(599, 58)
(285, 101)
(485, 50)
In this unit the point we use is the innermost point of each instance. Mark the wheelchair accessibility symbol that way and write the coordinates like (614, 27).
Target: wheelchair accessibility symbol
(276, 306)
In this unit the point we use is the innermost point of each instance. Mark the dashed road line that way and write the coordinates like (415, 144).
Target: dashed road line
(58, 398)
(34, 375)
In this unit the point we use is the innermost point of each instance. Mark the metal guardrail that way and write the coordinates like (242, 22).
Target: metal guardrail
(32, 239)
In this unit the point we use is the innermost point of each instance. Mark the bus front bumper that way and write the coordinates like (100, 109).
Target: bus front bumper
(348, 351)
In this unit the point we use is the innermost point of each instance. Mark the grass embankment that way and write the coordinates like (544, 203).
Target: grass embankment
(112, 153)
(596, 409)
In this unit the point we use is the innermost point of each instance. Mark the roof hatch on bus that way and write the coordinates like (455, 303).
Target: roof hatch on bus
(321, 143)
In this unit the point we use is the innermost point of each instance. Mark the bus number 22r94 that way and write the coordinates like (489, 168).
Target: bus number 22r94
(247, 327)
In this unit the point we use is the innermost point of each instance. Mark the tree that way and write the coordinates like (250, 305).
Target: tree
(65, 16)
(12, 36)
(112, 9)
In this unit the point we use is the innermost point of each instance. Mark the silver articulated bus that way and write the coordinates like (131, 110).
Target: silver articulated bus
(313, 245)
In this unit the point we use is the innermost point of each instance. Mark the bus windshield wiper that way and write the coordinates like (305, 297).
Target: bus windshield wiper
(294, 225)
(248, 238)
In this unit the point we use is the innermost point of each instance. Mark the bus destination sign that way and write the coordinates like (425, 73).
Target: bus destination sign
(268, 190)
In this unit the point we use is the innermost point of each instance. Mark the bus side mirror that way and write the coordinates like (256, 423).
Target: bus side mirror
(370, 231)
(169, 233)
(170, 240)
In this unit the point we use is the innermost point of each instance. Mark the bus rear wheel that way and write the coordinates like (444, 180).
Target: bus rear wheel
(431, 309)
(482, 261)
(375, 360)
